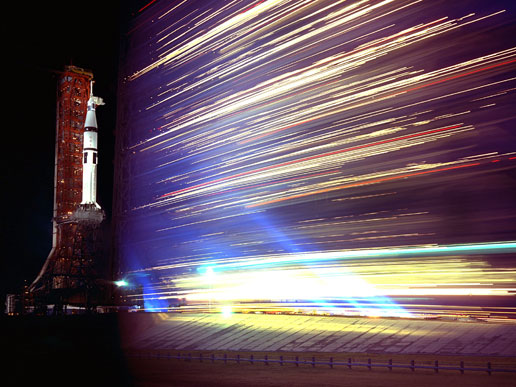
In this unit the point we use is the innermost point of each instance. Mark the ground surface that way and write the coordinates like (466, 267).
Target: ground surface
(326, 334)
(88, 351)
(193, 373)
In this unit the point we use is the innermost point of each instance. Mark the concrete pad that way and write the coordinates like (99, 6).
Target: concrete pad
(294, 333)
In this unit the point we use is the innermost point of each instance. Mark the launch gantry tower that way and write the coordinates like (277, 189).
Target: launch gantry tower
(69, 273)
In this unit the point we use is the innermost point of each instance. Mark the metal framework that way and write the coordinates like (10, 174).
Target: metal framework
(68, 273)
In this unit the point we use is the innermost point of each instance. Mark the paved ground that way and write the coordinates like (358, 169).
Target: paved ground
(87, 351)
(193, 373)
(324, 334)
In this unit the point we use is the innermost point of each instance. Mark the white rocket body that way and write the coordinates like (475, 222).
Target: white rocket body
(90, 152)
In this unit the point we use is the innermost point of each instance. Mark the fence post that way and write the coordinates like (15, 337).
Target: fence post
(212, 358)
(281, 360)
(369, 364)
(436, 367)
(412, 366)
(252, 359)
(200, 357)
(489, 368)
(462, 367)
(238, 358)
(225, 358)
(266, 360)
(313, 361)
(331, 362)
(390, 364)
(179, 355)
(297, 361)
(349, 363)
(189, 357)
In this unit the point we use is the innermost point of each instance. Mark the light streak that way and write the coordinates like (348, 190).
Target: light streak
(332, 150)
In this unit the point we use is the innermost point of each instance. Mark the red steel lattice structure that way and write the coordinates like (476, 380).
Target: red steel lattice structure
(69, 263)
(72, 98)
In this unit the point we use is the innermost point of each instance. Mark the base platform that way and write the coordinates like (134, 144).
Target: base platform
(293, 333)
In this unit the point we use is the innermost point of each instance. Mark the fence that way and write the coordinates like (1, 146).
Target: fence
(313, 362)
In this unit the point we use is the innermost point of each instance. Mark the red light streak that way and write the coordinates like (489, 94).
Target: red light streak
(388, 96)
(146, 5)
(279, 181)
(360, 184)
(311, 158)
(453, 77)
(252, 6)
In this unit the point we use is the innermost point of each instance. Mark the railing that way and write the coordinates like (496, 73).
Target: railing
(313, 362)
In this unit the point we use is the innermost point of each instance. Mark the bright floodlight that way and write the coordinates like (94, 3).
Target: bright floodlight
(209, 275)
(121, 283)
(226, 311)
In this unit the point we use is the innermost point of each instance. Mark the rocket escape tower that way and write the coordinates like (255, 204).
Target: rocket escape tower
(69, 274)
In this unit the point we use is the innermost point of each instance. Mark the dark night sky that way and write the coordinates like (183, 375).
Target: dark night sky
(38, 39)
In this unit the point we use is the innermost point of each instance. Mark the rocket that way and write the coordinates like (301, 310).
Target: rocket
(90, 152)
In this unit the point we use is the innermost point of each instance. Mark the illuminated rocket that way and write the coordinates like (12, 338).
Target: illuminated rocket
(90, 152)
